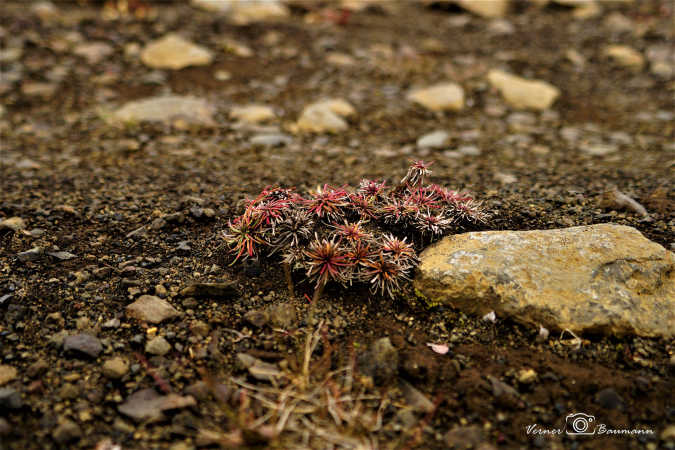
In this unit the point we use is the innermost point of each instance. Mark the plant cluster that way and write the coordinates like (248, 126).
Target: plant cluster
(367, 235)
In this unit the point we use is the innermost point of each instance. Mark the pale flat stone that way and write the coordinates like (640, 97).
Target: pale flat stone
(435, 139)
(485, 8)
(625, 56)
(13, 223)
(440, 97)
(522, 93)
(7, 374)
(244, 12)
(148, 406)
(602, 278)
(152, 309)
(252, 113)
(325, 116)
(165, 109)
(174, 52)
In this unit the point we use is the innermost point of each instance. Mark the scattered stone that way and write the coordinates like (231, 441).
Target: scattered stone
(380, 362)
(66, 431)
(158, 346)
(236, 48)
(340, 59)
(243, 13)
(271, 140)
(522, 93)
(436, 139)
(147, 405)
(466, 437)
(112, 323)
(224, 289)
(61, 256)
(485, 8)
(326, 116)
(252, 113)
(417, 400)
(440, 97)
(7, 374)
(152, 309)
(93, 52)
(38, 89)
(527, 376)
(13, 223)
(625, 56)
(83, 344)
(258, 369)
(165, 109)
(10, 398)
(37, 368)
(598, 149)
(602, 277)
(256, 318)
(174, 52)
(115, 368)
(609, 399)
(282, 315)
(33, 254)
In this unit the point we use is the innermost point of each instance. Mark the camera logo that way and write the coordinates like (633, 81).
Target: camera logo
(579, 424)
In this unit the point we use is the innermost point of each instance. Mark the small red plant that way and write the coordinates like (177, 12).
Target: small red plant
(369, 235)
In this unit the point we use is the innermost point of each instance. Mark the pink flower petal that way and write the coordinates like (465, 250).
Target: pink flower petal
(439, 348)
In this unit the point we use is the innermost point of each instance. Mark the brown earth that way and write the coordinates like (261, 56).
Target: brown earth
(87, 185)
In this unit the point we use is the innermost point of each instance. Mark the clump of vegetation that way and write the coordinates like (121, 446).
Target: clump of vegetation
(367, 235)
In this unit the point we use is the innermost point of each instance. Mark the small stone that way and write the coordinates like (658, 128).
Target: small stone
(115, 368)
(417, 400)
(485, 8)
(165, 109)
(147, 405)
(668, 433)
(258, 369)
(37, 368)
(112, 323)
(158, 346)
(244, 13)
(13, 223)
(152, 309)
(527, 376)
(523, 93)
(326, 116)
(66, 431)
(7, 374)
(62, 256)
(83, 344)
(31, 255)
(271, 140)
(10, 399)
(340, 59)
(440, 97)
(256, 318)
(224, 289)
(69, 391)
(252, 113)
(596, 149)
(609, 399)
(436, 139)
(93, 52)
(380, 362)
(282, 315)
(38, 89)
(174, 52)
(625, 56)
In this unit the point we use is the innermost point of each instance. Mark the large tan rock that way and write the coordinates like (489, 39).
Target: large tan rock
(522, 93)
(601, 278)
(440, 97)
(174, 52)
(243, 12)
(625, 56)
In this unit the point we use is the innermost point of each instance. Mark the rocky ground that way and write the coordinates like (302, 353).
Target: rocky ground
(131, 131)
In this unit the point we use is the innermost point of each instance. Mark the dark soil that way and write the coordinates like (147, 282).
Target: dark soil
(88, 185)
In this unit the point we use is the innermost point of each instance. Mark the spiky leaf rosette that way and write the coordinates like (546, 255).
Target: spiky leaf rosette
(366, 235)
